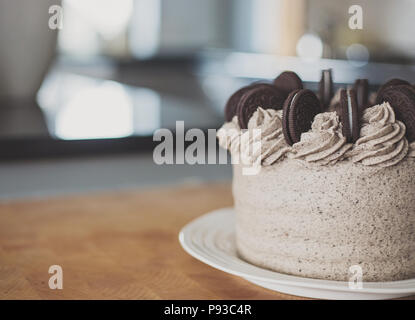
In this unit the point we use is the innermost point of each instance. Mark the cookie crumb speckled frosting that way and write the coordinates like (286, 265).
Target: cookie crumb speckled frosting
(324, 143)
(229, 136)
(317, 221)
(382, 138)
(241, 142)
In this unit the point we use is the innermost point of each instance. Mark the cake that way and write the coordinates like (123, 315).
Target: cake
(325, 198)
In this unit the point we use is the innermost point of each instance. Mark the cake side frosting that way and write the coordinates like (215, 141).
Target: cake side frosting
(318, 221)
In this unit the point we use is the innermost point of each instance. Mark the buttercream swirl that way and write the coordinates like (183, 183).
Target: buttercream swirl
(382, 139)
(229, 136)
(270, 146)
(324, 143)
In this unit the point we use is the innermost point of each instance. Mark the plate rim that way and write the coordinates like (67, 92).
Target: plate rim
(291, 280)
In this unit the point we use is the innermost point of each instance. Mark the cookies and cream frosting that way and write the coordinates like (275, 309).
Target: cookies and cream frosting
(324, 143)
(229, 136)
(262, 142)
(382, 139)
(272, 142)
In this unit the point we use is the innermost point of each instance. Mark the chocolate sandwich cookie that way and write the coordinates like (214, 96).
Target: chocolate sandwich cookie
(361, 87)
(390, 83)
(262, 95)
(325, 90)
(300, 108)
(232, 103)
(288, 81)
(349, 115)
(402, 100)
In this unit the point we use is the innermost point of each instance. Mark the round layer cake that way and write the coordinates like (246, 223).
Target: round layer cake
(324, 203)
(317, 222)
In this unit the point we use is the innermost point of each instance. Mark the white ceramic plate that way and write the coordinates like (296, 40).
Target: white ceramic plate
(210, 239)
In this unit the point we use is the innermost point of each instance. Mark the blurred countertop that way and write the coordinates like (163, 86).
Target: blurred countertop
(45, 178)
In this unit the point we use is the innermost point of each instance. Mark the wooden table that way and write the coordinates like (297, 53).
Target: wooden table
(114, 246)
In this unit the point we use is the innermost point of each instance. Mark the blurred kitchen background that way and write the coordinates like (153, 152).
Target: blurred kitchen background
(79, 105)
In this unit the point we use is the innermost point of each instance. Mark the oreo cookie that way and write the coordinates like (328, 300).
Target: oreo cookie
(390, 83)
(361, 87)
(262, 95)
(325, 89)
(232, 103)
(288, 81)
(402, 100)
(349, 115)
(300, 108)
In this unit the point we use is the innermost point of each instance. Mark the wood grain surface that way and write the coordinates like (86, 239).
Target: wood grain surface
(120, 245)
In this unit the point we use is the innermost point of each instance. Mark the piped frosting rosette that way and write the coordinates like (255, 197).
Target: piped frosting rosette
(229, 136)
(382, 139)
(264, 141)
(324, 143)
